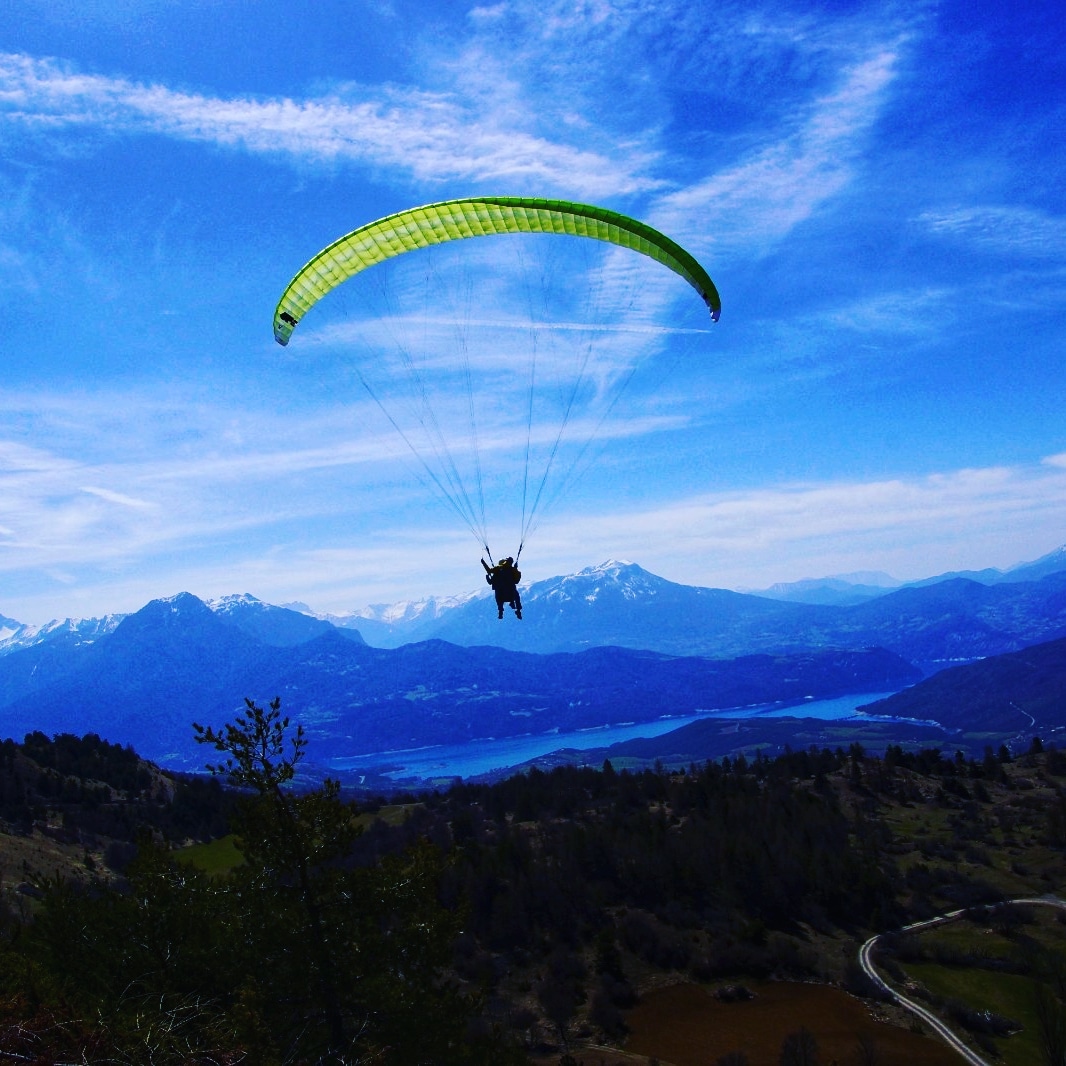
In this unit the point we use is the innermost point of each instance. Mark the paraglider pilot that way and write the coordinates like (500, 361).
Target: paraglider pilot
(504, 578)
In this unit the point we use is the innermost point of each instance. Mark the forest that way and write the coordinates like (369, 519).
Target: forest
(230, 917)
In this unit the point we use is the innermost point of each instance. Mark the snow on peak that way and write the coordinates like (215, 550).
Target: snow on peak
(411, 610)
(234, 602)
(615, 575)
(611, 568)
(86, 630)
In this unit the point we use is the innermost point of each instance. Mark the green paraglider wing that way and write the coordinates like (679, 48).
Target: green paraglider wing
(452, 220)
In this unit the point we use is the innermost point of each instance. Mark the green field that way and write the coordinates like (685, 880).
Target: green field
(970, 963)
(216, 858)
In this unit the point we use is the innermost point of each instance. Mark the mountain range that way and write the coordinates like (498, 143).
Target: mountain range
(955, 617)
(931, 623)
(608, 645)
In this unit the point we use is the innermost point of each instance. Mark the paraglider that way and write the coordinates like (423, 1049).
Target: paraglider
(503, 579)
(423, 228)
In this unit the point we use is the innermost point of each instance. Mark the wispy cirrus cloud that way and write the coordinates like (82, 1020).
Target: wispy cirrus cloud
(1010, 229)
(433, 136)
(758, 201)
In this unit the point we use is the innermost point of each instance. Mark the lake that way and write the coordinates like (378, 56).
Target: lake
(483, 756)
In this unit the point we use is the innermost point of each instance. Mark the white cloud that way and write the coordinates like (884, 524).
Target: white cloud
(907, 526)
(1011, 229)
(118, 497)
(916, 311)
(433, 136)
(487, 13)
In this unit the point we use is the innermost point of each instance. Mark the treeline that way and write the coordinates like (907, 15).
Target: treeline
(552, 856)
(97, 790)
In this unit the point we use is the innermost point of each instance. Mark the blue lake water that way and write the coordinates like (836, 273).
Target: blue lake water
(483, 756)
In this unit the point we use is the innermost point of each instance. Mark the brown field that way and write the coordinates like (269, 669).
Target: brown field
(684, 1025)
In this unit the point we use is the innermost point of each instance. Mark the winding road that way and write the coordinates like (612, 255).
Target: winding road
(866, 962)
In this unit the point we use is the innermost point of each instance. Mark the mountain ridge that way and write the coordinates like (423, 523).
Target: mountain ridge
(619, 604)
(397, 623)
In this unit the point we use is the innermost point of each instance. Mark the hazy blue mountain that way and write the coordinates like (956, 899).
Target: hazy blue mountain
(855, 588)
(33, 667)
(621, 605)
(608, 645)
(176, 661)
(143, 684)
(957, 620)
(1052, 563)
(35, 657)
(843, 590)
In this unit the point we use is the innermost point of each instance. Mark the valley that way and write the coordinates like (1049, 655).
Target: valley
(608, 647)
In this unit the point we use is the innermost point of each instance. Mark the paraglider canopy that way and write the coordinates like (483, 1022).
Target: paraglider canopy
(449, 220)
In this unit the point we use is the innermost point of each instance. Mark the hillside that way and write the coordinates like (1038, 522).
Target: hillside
(75, 806)
(1027, 688)
(616, 884)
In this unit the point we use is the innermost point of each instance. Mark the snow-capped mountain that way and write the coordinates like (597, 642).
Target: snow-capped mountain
(616, 576)
(15, 635)
(388, 625)
(617, 603)
(279, 627)
(411, 610)
(609, 597)
(622, 605)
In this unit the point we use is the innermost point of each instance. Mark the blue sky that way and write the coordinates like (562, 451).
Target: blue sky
(876, 189)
